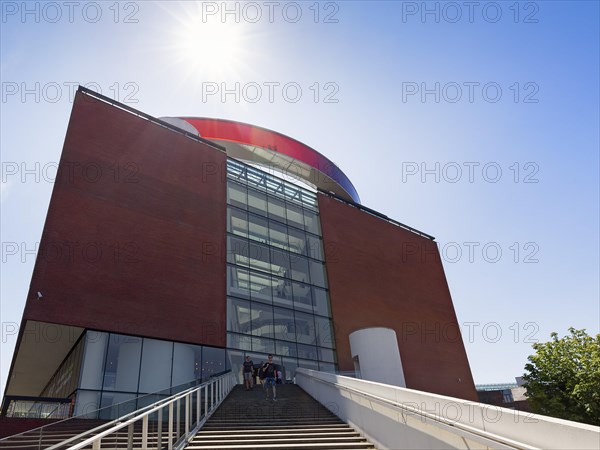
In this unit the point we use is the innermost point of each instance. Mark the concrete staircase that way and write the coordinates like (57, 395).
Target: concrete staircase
(246, 420)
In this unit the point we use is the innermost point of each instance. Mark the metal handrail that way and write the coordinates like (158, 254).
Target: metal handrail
(219, 389)
(49, 427)
(115, 421)
(475, 433)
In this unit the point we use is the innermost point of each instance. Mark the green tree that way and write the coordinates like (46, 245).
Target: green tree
(563, 378)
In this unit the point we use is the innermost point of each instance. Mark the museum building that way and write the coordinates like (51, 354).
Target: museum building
(174, 247)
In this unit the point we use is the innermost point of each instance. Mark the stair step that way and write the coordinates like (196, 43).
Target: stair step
(270, 419)
(276, 427)
(270, 440)
(279, 430)
(217, 435)
(327, 445)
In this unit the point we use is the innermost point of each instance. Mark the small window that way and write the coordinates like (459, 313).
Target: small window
(507, 396)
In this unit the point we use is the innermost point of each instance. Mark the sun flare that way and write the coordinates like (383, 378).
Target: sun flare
(215, 48)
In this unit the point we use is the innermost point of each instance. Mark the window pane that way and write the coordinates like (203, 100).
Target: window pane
(262, 320)
(236, 194)
(286, 348)
(93, 360)
(326, 354)
(321, 302)
(295, 216)
(235, 360)
(87, 404)
(327, 367)
(237, 222)
(278, 235)
(289, 368)
(307, 351)
(299, 266)
(239, 341)
(237, 250)
(238, 282)
(297, 241)
(258, 228)
(302, 297)
(282, 292)
(263, 345)
(280, 263)
(305, 328)
(155, 374)
(257, 202)
(276, 209)
(187, 363)
(311, 222)
(123, 363)
(259, 257)
(261, 288)
(325, 336)
(116, 404)
(284, 324)
(238, 316)
(307, 364)
(317, 274)
(315, 247)
(213, 361)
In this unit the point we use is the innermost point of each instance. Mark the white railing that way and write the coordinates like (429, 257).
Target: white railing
(400, 418)
(178, 410)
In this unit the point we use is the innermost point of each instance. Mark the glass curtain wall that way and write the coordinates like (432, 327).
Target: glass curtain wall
(117, 369)
(277, 297)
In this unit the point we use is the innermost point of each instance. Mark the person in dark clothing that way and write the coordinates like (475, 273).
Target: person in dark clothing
(247, 369)
(270, 375)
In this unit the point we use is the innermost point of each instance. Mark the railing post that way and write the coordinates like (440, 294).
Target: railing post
(97, 445)
(130, 437)
(145, 432)
(170, 426)
(159, 434)
(178, 423)
(198, 400)
(187, 414)
(205, 400)
(212, 395)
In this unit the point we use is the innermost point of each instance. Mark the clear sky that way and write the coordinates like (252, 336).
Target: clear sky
(476, 123)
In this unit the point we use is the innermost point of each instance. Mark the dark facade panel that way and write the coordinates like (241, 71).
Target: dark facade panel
(135, 234)
(381, 275)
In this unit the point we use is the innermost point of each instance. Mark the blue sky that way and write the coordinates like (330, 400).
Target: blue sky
(525, 123)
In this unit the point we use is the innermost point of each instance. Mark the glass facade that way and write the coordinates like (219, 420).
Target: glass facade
(64, 381)
(277, 297)
(118, 370)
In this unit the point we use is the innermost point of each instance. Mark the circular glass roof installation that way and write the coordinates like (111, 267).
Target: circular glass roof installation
(274, 150)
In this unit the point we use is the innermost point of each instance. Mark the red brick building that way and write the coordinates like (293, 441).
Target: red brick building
(165, 247)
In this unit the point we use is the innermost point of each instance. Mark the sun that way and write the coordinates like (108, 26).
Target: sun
(210, 47)
(217, 44)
